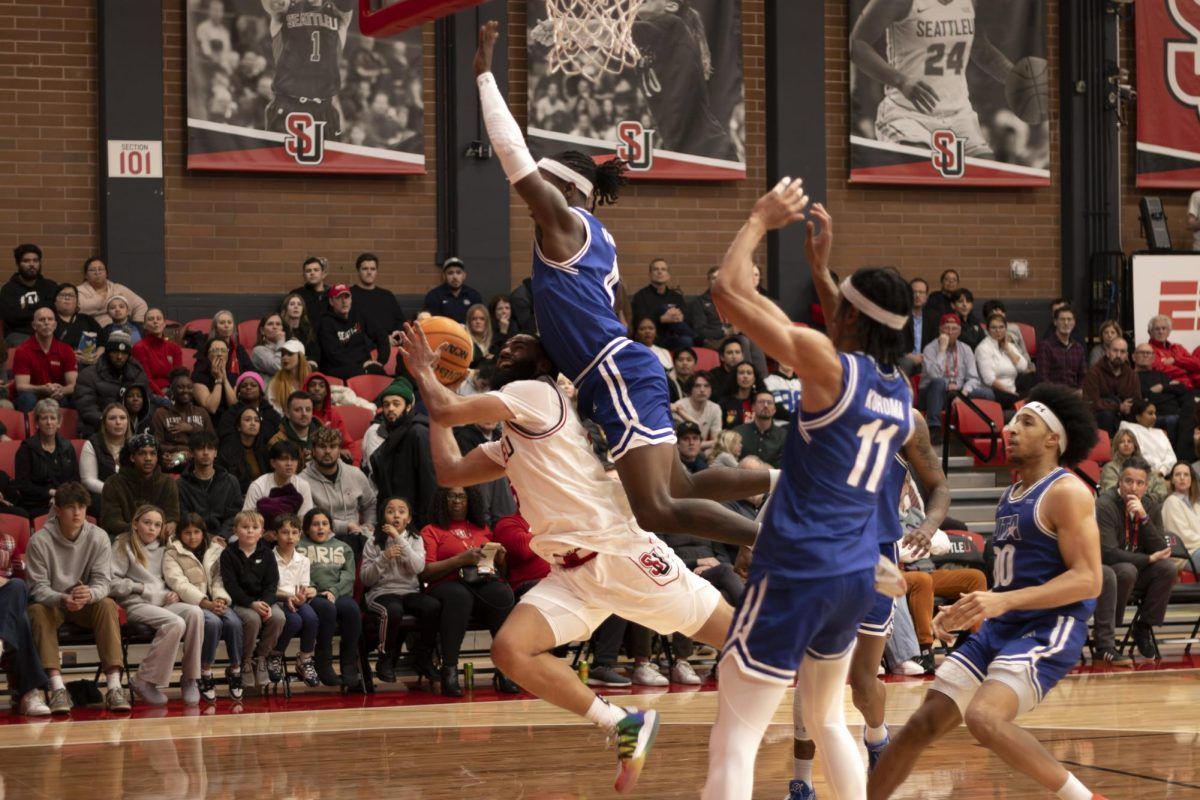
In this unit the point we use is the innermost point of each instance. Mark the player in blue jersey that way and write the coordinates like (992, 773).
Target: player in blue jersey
(620, 383)
(1046, 577)
(813, 577)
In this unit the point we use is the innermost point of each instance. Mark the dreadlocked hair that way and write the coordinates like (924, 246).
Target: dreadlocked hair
(607, 178)
(1076, 418)
(891, 292)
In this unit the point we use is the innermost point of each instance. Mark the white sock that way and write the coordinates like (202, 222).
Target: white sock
(822, 683)
(206, 672)
(114, 679)
(745, 705)
(877, 735)
(1074, 790)
(605, 715)
(56, 682)
(802, 771)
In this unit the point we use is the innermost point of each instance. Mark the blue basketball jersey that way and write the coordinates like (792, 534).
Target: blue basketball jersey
(822, 520)
(887, 524)
(1026, 553)
(573, 300)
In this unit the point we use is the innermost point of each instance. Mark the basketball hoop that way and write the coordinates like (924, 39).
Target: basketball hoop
(589, 37)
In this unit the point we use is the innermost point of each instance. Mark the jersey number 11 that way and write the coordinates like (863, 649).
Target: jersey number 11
(872, 445)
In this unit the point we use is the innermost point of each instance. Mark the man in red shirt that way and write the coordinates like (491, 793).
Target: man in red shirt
(43, 366)
(1172, 360)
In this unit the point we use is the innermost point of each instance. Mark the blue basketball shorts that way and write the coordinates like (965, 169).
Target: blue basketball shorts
(880, 618)
(624, 391)
(779, 622)
(1028, 656)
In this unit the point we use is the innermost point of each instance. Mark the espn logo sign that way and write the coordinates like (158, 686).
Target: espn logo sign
(1180, 300)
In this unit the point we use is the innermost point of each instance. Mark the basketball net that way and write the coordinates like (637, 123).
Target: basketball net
(589, 37)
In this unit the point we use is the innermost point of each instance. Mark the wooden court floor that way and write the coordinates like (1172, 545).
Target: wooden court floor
(1127, 735)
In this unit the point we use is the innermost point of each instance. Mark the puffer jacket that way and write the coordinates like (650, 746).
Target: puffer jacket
(191, 580)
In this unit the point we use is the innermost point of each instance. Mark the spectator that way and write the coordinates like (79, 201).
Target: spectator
(26, 679)
(1111, 386)
(698, 408)
(101, 384)
(1173, 360)
(525, 567)
(479, 328)
(722, 377)
(251, 393)
(343, 490)
(250, 575)
(1014, 332)
(918, 334)
(271, 336)
(938, 304)
(1125, 446)
(224, 328)
(25, 292)
(213, 380)
(665, 306)
(158, 355)
(963, 303)
(319, 386)
(727, 451)
(137, 571)
(687, 442)
(348, 338)
(401, 464)
(373, 301)
(69, 572)
(207, 489)
(1051, 329)
(762, 437)
(101, 455)
(1109, 329)
(705, 320)
(1002, 368)
(737, 405)
(172, 425)
(504, 325)
(337, 612)
(43, 367)
(44, 461)
(454, 540)
(191, 569)
(452, 297)
(392, 563)
(1136, 556)
(138, 482)
(298, 326)
(280, 491)
(78, 331)
(683, 367)
(949, 367)
(1153, 444)
(298, 426)
(646, 332)
(97, 290)
(496, 496)
(521, 298)
(1170, 397)
(292, 374)
(1061, 358)
(140, 411)
(1181, 511)
(294, 594)
(313, 292)
(244, 453)
(784, 386)
(925, 582)
(118, 312)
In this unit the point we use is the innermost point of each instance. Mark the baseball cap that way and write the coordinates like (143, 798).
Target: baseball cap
(950, 316)
(338, 289)
(686, 428)
(453, 261)
(119, 342)
(293, 346)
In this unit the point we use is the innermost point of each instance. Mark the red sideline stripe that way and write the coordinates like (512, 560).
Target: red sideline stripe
(673, 169)
(1177, 287)
(274, 159)
(922, 172)
(1170, 179)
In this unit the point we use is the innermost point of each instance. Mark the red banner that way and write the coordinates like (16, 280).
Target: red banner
(1168, 85)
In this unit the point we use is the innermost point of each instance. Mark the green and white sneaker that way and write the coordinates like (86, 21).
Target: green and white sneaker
(635, 736)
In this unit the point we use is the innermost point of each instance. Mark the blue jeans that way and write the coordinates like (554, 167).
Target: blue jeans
(344, 617)
(227, 627)
(303, 620)
(932, 396)
(15, 632)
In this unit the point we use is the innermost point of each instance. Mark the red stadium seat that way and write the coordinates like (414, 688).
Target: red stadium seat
(707, 359)
(14, 422)
(1029, 335)
(8, 457)
(189, 359)
(357, 421)
(978, 431)
(1102, 452)
(1090, 471)
(368, 387)
(356, 453)
(70, 423)
(248, 333)
(78, 445)
(200, 325)
(18, 529)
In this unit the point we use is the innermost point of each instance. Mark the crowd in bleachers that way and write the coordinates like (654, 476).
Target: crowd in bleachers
(247, 484)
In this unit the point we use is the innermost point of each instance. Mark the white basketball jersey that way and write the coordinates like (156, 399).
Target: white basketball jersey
(933, 44)
(561, 487)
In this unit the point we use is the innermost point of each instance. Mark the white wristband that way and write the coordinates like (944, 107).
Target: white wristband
(503, 130)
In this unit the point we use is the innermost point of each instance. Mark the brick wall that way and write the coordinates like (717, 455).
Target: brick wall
(48, 88)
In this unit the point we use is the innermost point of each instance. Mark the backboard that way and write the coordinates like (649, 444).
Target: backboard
(388, 17)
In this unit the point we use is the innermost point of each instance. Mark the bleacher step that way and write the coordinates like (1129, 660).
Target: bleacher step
(973, 511)
(977, 493)
(982, 527)
(971, 480)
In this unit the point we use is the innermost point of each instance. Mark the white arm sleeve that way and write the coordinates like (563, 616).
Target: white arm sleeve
(503, 130)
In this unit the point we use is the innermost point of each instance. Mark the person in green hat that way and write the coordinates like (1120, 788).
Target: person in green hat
(397, 450)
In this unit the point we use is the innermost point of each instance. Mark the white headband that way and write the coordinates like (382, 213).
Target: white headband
(561, 170)
(1042, 411)
(868, 306)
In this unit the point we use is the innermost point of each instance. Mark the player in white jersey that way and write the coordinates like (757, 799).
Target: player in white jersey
(602, 563)
(929, 45)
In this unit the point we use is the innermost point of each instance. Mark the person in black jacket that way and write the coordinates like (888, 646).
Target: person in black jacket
(373, 301)
(665, 306)
(522, 306)
(25, 292)
(347, 338)
(137, 402)
(251, 576)
(79, 331)
(208, 489)
(313, 290)
(251, 393)
(244, 452)
(402, 465)
(44, 461)
(102, 383)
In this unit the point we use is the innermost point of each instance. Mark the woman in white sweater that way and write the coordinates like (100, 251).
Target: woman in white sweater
(999, 362)
(1152, 441)
(137, 570)
(1181, 511)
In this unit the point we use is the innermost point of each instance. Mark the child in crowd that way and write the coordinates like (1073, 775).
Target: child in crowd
(294, 594)
(333, 578)
(251, 577)
(138, 586)
(191, 570)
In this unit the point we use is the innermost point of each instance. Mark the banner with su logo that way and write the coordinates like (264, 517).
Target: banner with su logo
(1168, 85)
(949, 93)
(292, 86)
(678, 115)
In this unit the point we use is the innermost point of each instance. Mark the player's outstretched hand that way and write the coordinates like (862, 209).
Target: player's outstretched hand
(489, 32)
(818, 245)
(889, 580)
(921, 95)
(781, 206)
(414, 346)
(940, 631)
(972, 609)
(918, 540)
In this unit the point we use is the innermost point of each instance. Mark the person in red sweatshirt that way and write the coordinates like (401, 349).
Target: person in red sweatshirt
(157, 354)
(525, 567)
(317, 384)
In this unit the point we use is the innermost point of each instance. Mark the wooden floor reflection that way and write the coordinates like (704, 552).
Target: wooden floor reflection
(1126, 736)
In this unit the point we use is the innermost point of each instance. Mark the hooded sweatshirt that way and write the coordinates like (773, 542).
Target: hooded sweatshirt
(160, 426)
(127, 490)
(396, 576)
(402, 465)
(349, 496)
(346, 343)
(193, 581)
(54, 564)
(249, 578)
(217, 499)
(332, 568)
(18, 302)
(135, 583)
(158, 356)
(101, 384)
(326, 414)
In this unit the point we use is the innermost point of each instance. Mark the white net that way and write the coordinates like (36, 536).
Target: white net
(589, 37)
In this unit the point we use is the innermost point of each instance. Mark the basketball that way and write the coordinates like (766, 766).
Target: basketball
(455, 359)
(1027, 90)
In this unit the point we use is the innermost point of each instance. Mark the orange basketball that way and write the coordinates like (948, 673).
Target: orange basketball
(455, 359)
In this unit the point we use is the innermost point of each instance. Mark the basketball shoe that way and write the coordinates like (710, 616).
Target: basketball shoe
(799, 790)
(874, 751)
(635, 736)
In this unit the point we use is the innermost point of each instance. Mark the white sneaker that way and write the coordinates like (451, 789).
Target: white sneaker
(647, 674)
(149, 693)
(909, 667)
(191, 693)
(33, 704)
(683, 673)
(880, 670)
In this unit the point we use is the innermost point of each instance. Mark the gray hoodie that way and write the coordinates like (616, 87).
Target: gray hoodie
(348, 496)
(133, 583)
(382, 575)
(55, 565)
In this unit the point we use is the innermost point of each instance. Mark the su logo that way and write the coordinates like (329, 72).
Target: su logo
(947, 154)
(1183, 56)
(305, 140)
(635, 145)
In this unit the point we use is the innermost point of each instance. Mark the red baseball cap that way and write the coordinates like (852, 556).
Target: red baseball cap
(949, 316)
(338, 289)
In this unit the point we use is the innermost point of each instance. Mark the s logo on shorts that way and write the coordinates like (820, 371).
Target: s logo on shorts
(657, 566)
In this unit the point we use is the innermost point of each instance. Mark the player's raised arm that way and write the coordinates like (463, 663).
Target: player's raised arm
(817, 247)
(445, 406)
(871, 27)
